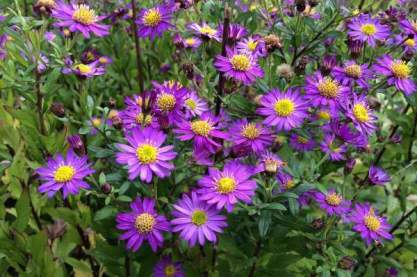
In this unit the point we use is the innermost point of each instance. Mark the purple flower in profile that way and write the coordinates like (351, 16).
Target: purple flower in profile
(302, 143)
(324, 91)
(168, 268)
(79, 17)
(144, 155)
(225, 188)
(334, 150)
(269, 162)
(192, 42)
(133, 118)
(378, 176)
(398, 73)
(240, 66)
(66, 173)
(154, 21)
(352, 73)
(285, 181)
(285, 111)
(196, 220)
(332, 202)
(236, 32)
(143, 223)
(409, 45)
(367, 29)
(370, 226)
(254, 45)
(304, 199)
(83, 70)
(194, 105)
(361, 115)
(169, 100)
(409, 26)
(49, 36)
(203, 131)
(204, 30)
(249, 137)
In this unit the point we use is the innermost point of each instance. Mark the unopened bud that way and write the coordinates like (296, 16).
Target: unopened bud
(58, 109)
(106, 188)
(77, 144)
(346, 263)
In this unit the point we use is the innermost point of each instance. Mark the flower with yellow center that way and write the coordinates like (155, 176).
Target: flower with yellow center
(166, 102)
(152, 18)
(250, 131)
(190, 41)
(284, 107)
(328, 88)
(410, 42)
(191, 104)
(64, 173)
(83, 68)
(84, 15)
(252, 45)
(368, 29)
(240, 62)
(170, 270)
(333, 199)
(147, 153)
(199, 217)
(271, 165)
(226, 185)
(144, 223)
(324, 115)
(96, 122)
(290, 184)
(353, 70)
(201, 127)
(400, 69)
(372, 222)
(207, 30)
(361, 113)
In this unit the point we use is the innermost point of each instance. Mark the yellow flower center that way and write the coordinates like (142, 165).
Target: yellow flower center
(166, 102)
(83, 14)
(143, 120)
(103, 60)
(284, 107)
(240, 62)
(199, 217)
(290, 184)
(191, 104)
(302, 140)
(190, 41)
(152, 18)
(83, 68)
(144, 223)
(252, 45)
(64, 173)
(333, 199)
(96, 122)
(201, 127)
(324, 115)
(400, 69)
(147, 153)
(410, 42)
(207, 30)
(250, 131)
(361, 113)
(353, 70)
(328, 88)
(368, 29)
(226, 185)
(372, 222)
(170, 270)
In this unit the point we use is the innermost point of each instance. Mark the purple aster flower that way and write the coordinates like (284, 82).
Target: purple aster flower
(133, 117)
(269, 162)
(324, 91)
(64, 173)
(192, 42)
(169, 101)
(409, 26)
(254, 45)
(144, 155)
(361, 115)
(77, 144)
(143, 223)
(302, 143)
(332, 202)
(285, 111)
(391, 272)
(83, 70)
(194, 105)
(326, 114)
(397, 72)
(335, 151)
(378, 176)
(250, 136)
(49, 36)
(202, 131)
(225, 188)
(367, 29)
(79, 18)
(205, 31)
(352, 73)
(239, 65)
(168, 268)
(154, 21)
(409, 45)
(285, 181)
(304, 199)
(196, 220)
(371, 226)
(236, 32)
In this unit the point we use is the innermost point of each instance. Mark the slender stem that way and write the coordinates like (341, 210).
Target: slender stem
(127, 264)
(137, 47)
(361, 4)
(401, 244)
(256, 253)
(220, 86)
(413, 133)
(214, 258)
(402, 219)
(39, 102)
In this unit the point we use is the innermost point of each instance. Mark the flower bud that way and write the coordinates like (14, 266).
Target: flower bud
(188, 69)
(317, 224)
(346, 263)
(106, 188)
(272, 42)
(58, 109)
(56, 230)
(300, 5)
(77, 144)
(329, 61)
(112, 102)
(350, 164)
(285, 71)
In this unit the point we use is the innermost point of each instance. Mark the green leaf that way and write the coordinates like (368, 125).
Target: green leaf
(106, 212)
(23, 211)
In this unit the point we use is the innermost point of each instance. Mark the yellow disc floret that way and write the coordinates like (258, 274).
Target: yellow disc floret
(207, 30)
(250, 131)
(400, 69)
(83, 14)
(284, 107)
(333, 199)
(152, 18)
(191, 104)
(328, 88)
(147, 153)
(201, 127)
(353, 70)
(166, 102)
(361, 113)
(372, 222)
(252, 45)
(240, 62)
(144, 223)
(226, 185)
(170, 270)
(199, 217)
(368, 29)
(64, 173)
(83, 68)
(410, 42)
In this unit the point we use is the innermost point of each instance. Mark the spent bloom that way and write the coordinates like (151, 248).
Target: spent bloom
(367, 29)
(66, 173)
(378, 176)
(332, 202)
(79, 17)
(168, 268)
(225, 188)
(196, 220)
(154, 21)
(144, 155)
(143, 223)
